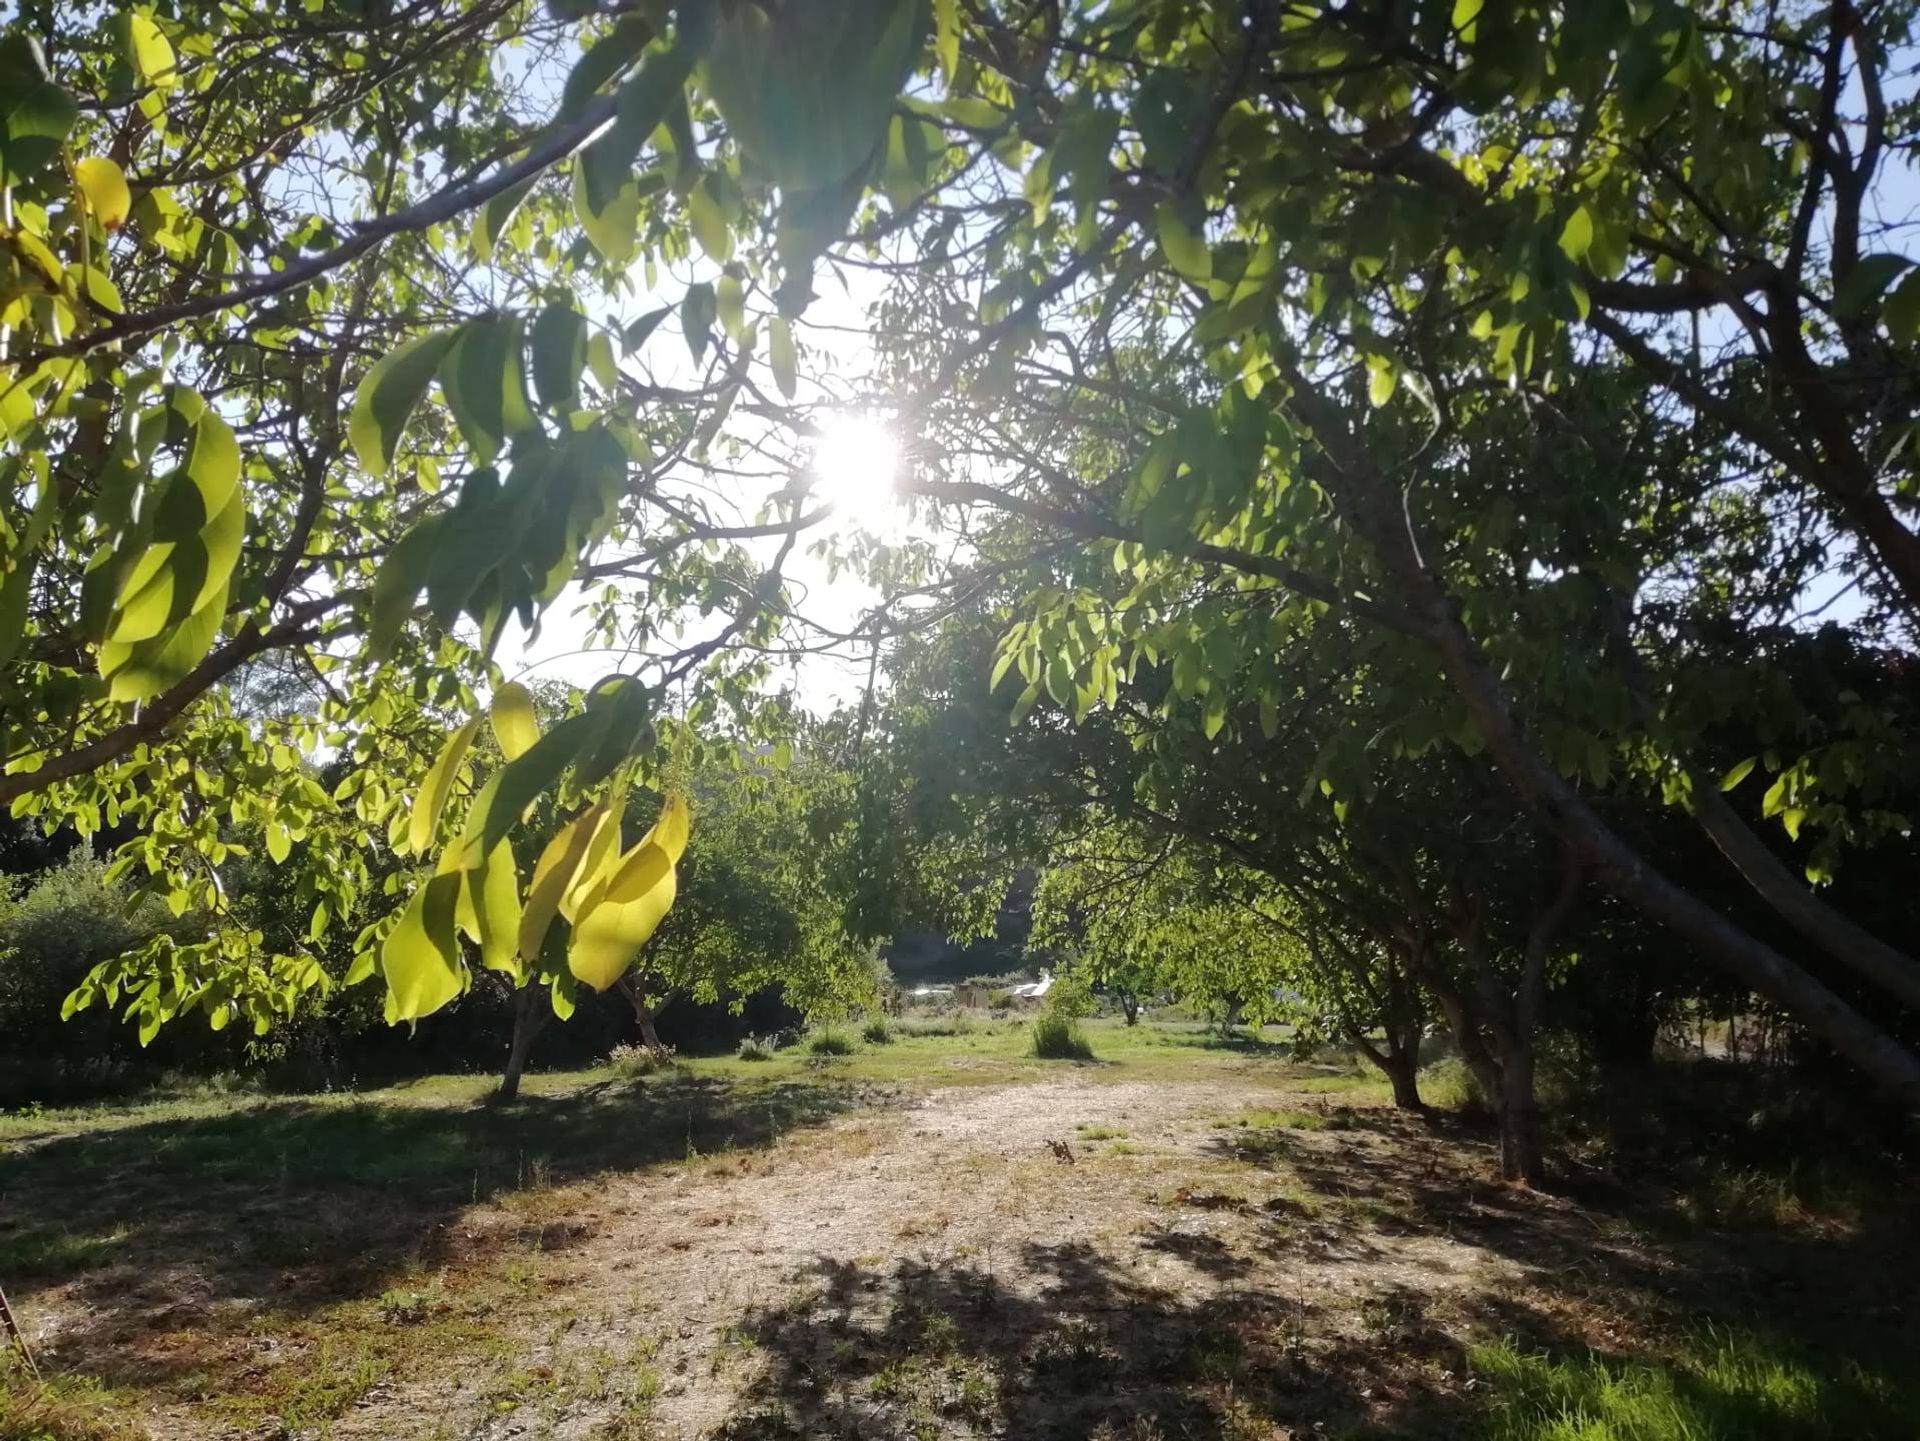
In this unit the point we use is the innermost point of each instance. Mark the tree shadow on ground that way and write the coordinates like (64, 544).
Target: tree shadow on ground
(1075, 1347)
(300, 1204)
(1372, 1177)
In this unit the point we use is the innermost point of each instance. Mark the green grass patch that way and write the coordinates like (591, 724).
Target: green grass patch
(1101, 1133)
(1724, 1386)
(52, 1252)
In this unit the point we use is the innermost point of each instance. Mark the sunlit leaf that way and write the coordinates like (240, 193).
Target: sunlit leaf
(388, 394)
(514, 724)
(437, 786)
(105, 186)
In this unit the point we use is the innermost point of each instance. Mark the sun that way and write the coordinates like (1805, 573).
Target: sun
(855, 461)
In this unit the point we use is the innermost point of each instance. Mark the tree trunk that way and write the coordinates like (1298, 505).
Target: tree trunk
(528, 1020)
(1130, 1005)
(1399, 1062)
(644, 1013)
(1402, 1065)
(1850, 944)
(1521, 1156)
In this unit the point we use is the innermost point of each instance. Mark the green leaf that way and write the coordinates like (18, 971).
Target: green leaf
(946, 36)
(1901, 313)
(493, 895)
(806, 90)
(147, 50)
(696, 318)
(38, 115)
(635, 335)
(1383, 378)
(605, 58)
(709, 224)
(559, 339)
(605, 195)
(514, 724)
(493, 216)
(1866, 282)
(144, 669)
(730, 304)
(420, 957)
(484, 378)
(1576, 236)
(1466, 15)
(437, 786)
(1739, 773)
(388, 394)
(1185, 248)
(786, 364)
(398, 584)
(279, 842)
(497, 809)
(612, 222)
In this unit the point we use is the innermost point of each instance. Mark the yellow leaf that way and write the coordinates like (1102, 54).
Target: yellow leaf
(104, 185)
(553, 875)
(150, 51)
(608, 933)
(514, 725)
(601, 859)
(437, 786)
(492, 892)
(669, 832)
(418, 957)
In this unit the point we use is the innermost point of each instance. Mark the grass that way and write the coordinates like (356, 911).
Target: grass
(330, 1196)
(877, 1032)
(829, 1042)
(1059, 1038)
(1725, 1386)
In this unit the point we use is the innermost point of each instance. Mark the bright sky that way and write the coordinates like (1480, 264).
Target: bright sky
(856, 461)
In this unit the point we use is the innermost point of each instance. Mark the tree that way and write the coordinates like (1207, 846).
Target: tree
(1385, 250)
(297, 367)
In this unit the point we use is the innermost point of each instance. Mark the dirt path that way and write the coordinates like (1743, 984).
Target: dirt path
(1069, 1256)
(772, 1292)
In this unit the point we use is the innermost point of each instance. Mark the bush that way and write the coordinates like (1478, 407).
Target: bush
(877, 1032)
(631, 1062)
(756, 1048)
(1000, 1001)
(829, 1042)
(1449, 1085)
(1058, 1037)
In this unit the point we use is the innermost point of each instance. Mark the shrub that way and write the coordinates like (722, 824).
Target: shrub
(877, 1032)
(1058, 1038)
(829, 1042)
(1000, 1001)
(756, 1048)
(631, 1062)
(1450, 1086)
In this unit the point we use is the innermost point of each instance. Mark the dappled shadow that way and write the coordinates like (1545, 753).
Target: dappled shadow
(299, 1204)
(1361, 1180)
(1072, 1346)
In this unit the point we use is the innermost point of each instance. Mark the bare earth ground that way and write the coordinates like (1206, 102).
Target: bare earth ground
(1246, 1253)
